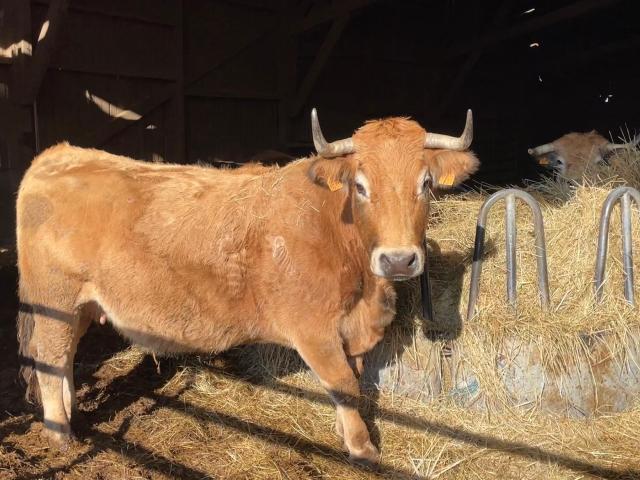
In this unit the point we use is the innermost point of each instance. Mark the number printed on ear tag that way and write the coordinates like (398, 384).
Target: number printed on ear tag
(447, 180)
(334, 185)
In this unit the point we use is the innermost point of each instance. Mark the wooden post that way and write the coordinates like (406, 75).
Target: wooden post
(287, 71)
(176, 150)
(27, 74)
(16, 118)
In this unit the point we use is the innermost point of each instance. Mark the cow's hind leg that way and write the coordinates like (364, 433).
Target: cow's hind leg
(328, 360)
(68, 385)
(55, 336)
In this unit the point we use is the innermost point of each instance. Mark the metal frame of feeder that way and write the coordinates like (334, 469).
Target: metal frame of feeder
(624, 196)
(510, 196)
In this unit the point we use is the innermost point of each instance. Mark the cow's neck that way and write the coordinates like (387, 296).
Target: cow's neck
(355, 256)
(369, 301)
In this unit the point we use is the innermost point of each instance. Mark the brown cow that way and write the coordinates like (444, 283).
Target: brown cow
(195, 259)
(574, 154)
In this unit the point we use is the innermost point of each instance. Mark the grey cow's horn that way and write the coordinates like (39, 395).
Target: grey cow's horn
(541, 149)
(324, 148)
(463, 142)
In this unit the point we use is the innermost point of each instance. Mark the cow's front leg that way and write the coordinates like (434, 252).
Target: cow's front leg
(357, 365)
(328, 360)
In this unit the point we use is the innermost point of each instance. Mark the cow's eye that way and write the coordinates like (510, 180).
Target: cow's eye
(426, 185)
(360, 189)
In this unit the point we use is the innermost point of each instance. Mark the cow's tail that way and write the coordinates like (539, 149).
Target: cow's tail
(27, 354)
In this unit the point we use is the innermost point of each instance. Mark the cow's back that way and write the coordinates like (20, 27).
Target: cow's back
(163, 248)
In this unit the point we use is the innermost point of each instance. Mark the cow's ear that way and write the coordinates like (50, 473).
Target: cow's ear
(449, 168)
(330, 173)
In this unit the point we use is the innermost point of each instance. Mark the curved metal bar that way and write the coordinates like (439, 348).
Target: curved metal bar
(627, 247)
(541, 247)
(625, 194)
(478, 249)
(510, 244)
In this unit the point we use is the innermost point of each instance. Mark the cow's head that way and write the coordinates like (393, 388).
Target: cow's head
(574, 154)
(387, 169)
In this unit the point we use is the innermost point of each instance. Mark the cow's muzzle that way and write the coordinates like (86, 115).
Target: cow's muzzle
(397, 263)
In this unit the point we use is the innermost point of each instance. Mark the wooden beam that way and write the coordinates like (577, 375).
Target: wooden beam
(571, 11)
(239, 94)
(330, 41)
(27, 77)
(321, 15)
(133, 72)
(256, 7)
(138, 11)
(100, 136)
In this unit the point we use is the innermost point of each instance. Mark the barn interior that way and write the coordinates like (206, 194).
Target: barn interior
(223, 81)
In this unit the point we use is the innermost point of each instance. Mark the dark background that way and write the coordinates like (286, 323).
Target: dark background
(205, 80)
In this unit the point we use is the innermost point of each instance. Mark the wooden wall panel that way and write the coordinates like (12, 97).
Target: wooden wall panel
(215, 28)
(112, 46)
(150, 11)
(253, 73)
(72, 105)
(230, 129)
(143, 140)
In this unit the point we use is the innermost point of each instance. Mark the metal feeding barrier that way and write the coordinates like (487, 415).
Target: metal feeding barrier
(624, 196)
(425, 288)
(510, 196)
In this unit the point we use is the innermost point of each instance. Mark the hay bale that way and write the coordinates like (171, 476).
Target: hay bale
(578, 358)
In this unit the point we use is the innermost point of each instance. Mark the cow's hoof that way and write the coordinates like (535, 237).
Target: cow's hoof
(367, 456)
(60, 441)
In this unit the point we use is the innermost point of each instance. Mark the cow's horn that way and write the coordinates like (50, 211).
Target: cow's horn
(463, 142)
(325, 149)
(541, 149)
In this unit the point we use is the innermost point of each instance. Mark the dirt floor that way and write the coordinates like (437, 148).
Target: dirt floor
(223, 417)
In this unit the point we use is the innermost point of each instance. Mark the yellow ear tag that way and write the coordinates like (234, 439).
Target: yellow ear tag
(543, 161)
(334, 185)
(447, 180)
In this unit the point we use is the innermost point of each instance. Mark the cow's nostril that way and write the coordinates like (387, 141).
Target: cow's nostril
(385, 261)
(412, 260)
